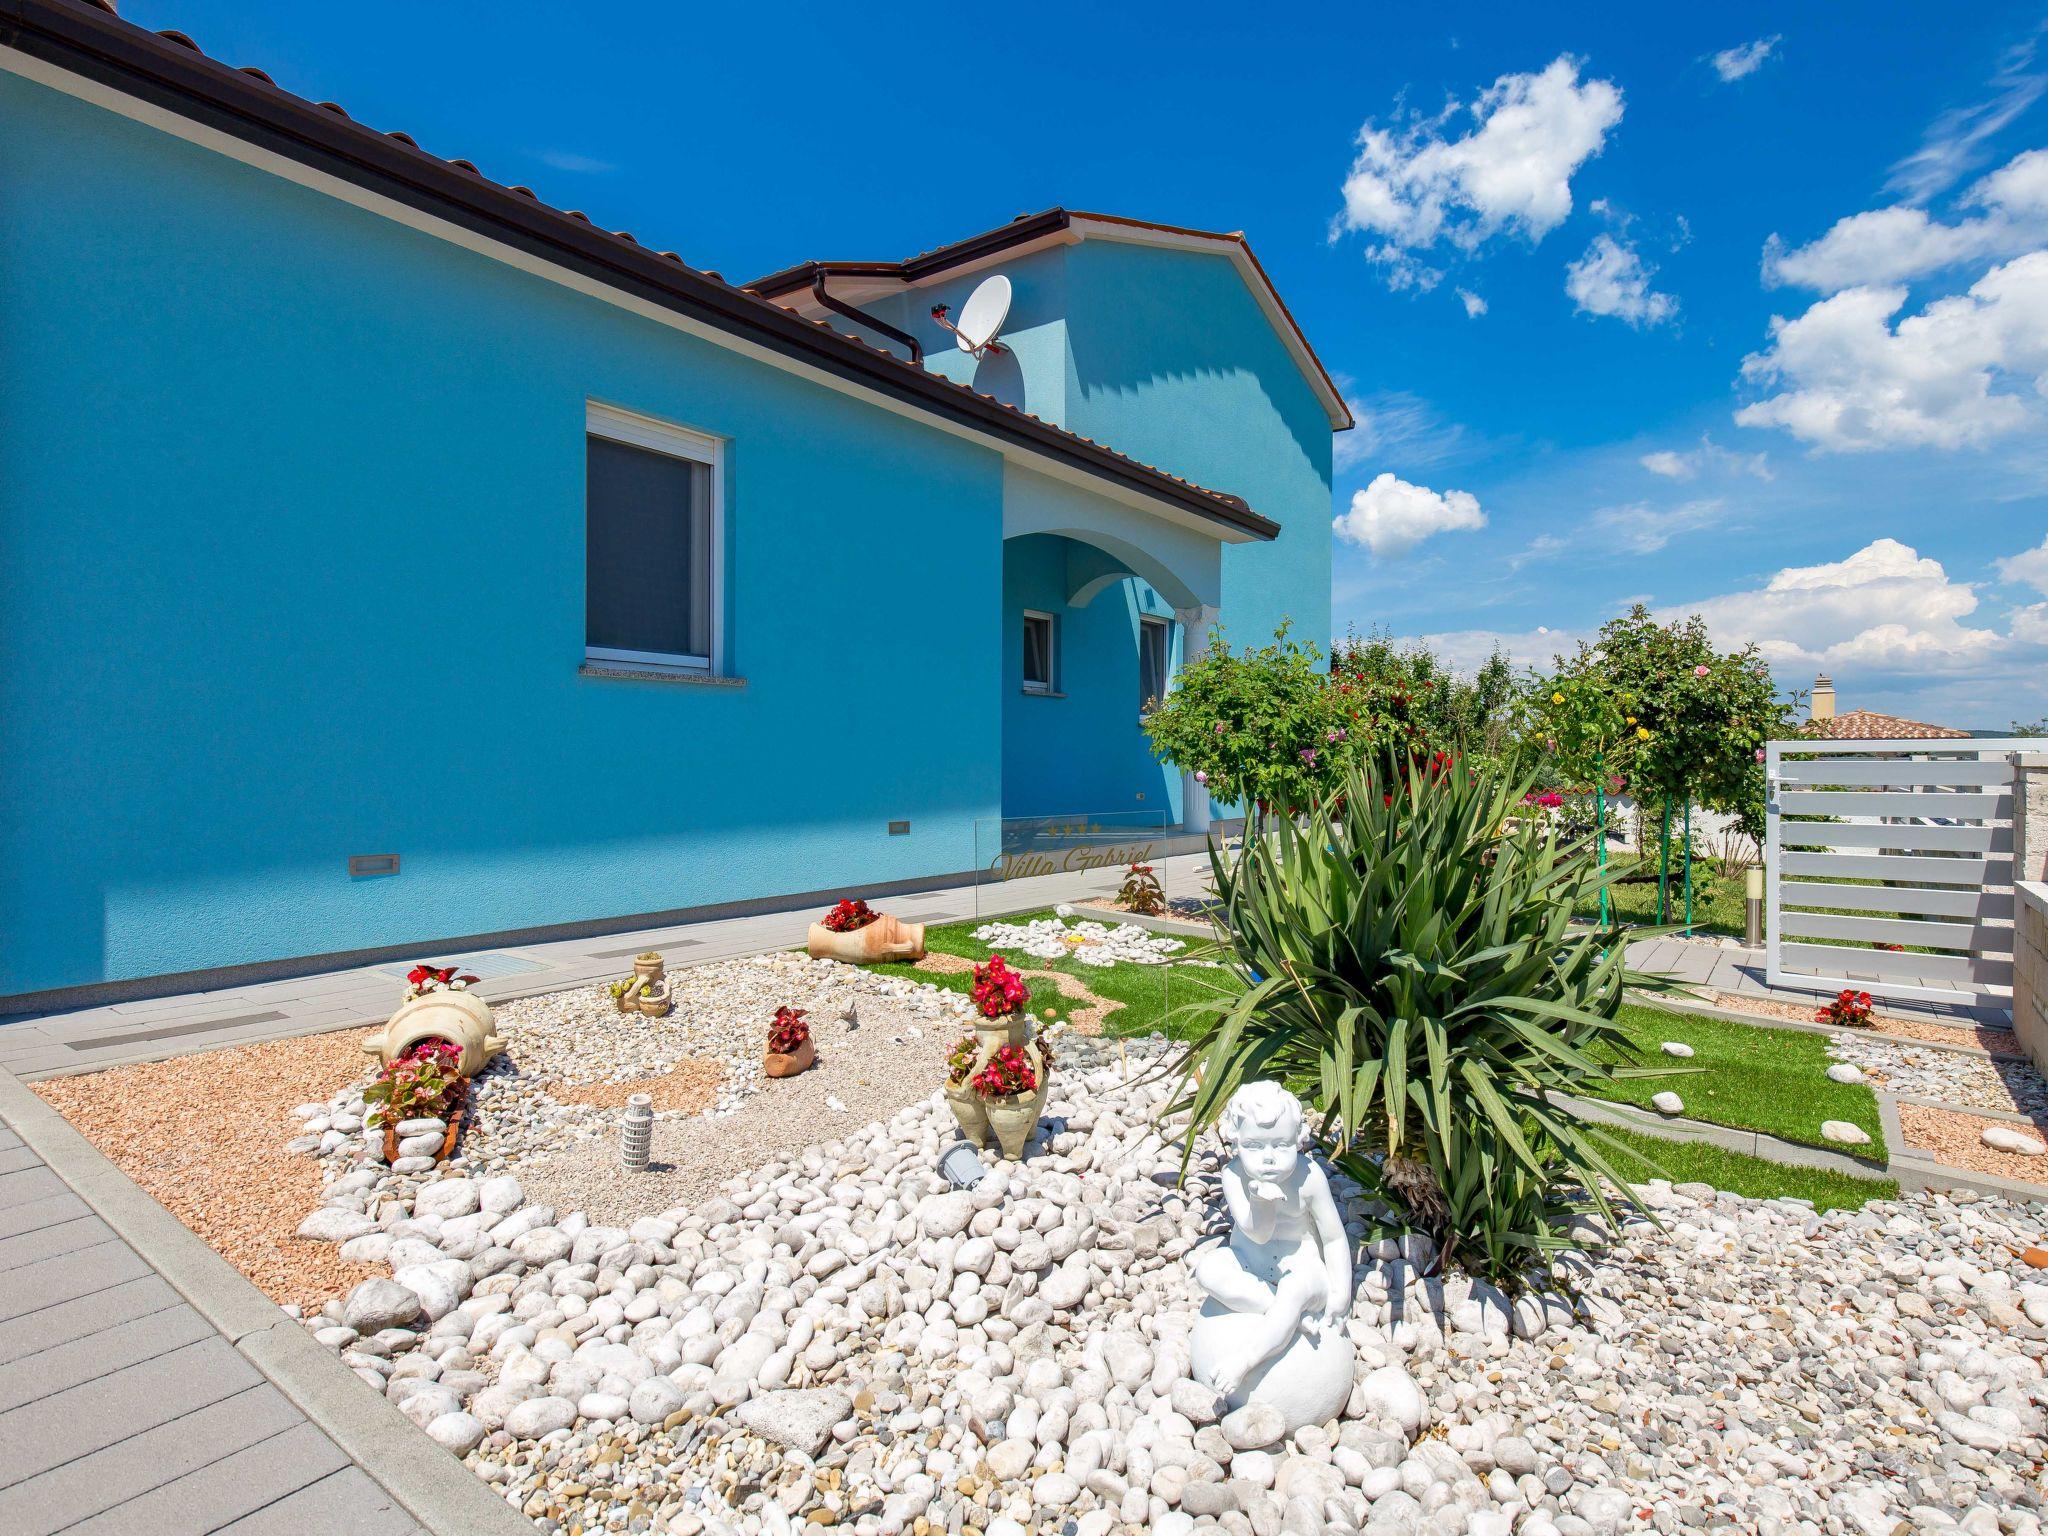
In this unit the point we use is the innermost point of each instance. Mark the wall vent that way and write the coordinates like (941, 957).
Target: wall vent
(899, 828)
(361, 864)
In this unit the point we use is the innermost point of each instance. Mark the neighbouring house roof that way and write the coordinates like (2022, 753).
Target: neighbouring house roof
(169, 72)
(1868, 725)
(1063, 226)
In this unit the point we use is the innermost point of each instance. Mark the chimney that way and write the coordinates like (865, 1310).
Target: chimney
(1823, 698)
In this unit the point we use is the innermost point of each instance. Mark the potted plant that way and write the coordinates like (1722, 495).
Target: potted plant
(1012, 1089)
(424, 1083)
(646, 991)
(439, 1006)
(1001, 998)
(961, 1093)
(790, 1049)
(857, 934)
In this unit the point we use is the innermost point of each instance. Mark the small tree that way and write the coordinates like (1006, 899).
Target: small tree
(1260, 728)
(1694, 720)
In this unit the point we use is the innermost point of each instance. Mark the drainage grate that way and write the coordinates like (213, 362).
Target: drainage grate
(484, 967)
(171, 1031)
(641, 949)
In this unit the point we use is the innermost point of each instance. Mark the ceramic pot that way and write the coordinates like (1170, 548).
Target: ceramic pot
(776, 1064)
(971, 1110)
(1013, 1117)
(461, 1018)
(884, 939)
(993, 1034)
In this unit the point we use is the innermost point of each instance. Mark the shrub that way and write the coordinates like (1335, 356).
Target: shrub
(1141, 892)
(960, 1061)
(849, 916)
(1851, 1009)
(786, 1036)
(1410, 970)
(998, 991)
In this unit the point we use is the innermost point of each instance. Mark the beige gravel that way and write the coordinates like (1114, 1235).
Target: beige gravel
(689, 1088)
(205, 1136)
(1955, 1139)
(862, 1068)
(1999, 1041)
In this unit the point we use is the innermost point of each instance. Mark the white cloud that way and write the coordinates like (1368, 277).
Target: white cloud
(1710, 455)
(1390, 516)
(582, 165)
(2029, 566)
(1898, 244)
(1411, 185)
(1953, 145)
(1475, 306)
(1643, 529)
(1962, 371)
(1885, 608)
(1611, 279)
(1731, 64)
(1464, 651)
(1393, 424)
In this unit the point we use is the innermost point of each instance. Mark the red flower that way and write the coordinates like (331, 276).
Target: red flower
(998, 991)
(789, 1032)
(849, 916)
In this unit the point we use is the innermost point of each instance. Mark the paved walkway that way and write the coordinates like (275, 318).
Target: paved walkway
(126, 1411)
(1733, 969)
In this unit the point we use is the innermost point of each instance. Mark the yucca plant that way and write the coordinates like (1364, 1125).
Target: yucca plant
(1410, 970)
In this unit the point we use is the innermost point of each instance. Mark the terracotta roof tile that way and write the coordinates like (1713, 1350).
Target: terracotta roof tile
(1235, 505)
(1868, 725)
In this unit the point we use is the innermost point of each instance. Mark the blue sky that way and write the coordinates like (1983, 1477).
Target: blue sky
(1543, 252)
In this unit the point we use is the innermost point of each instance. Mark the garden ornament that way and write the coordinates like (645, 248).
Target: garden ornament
(1279, 1287)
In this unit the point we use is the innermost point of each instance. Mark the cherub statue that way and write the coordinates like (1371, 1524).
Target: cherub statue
(1280, 1287)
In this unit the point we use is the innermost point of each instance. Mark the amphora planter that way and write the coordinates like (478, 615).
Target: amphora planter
(1013, 1117)
(454, 1119)
(461, 1018)
(885, 938)
(971, 1110)
(779, 1064)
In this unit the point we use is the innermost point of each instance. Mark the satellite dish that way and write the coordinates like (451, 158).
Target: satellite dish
(982, 316)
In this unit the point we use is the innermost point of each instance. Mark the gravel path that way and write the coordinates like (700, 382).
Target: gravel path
(2003, 1041)
(1971, 1082)
(1956, 1139)
(205, 1136)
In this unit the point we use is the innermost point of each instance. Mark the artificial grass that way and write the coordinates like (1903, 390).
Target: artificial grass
(1684, 1162)
(1754, 1078)
(1153, 997)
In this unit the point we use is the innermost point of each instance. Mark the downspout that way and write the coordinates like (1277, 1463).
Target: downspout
(862, 317)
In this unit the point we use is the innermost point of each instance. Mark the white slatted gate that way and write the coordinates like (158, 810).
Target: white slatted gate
(1909, 843)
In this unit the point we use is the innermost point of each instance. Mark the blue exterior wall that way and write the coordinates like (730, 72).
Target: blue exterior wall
(291, 568)
(1080, 751)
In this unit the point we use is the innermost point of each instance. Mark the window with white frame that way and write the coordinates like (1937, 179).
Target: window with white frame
(1153, 634)
(1041, 661)
(654, 536)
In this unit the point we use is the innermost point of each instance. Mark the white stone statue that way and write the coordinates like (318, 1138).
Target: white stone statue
(1279, 1288)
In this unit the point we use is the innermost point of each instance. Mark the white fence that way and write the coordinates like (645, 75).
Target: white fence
(1889, 867)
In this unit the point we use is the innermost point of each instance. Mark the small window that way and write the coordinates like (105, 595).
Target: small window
(1039, 661)
(1152, 637)
(652, 539)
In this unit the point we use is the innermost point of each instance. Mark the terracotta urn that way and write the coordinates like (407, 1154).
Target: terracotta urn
(886, 938)
(777, 1064)
(971, 1110)
(1013, 1117)
(461, 1018)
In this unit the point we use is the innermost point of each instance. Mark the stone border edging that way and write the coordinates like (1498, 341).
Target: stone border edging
(1728, 1138)
(434, 1486)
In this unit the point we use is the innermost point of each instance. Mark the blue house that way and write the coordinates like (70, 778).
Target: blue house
(393, 561)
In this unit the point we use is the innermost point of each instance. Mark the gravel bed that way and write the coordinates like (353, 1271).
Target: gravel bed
(205, 1136)
(1086, 942)
(2002, 1041)
(1971, 1082)
(1956, 1140)
(837, 1338)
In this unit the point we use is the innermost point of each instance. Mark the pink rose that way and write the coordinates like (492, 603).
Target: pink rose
(1201, 775)
(1699, 671)
(1759, 754)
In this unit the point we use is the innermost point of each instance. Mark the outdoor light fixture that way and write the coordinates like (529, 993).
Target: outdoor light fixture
(636, 1133)
(1753, 907)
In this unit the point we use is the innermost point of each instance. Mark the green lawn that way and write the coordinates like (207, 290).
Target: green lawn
(1150, 994)
(1717, 904)
(1754, 1078)
(1685, 1162)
